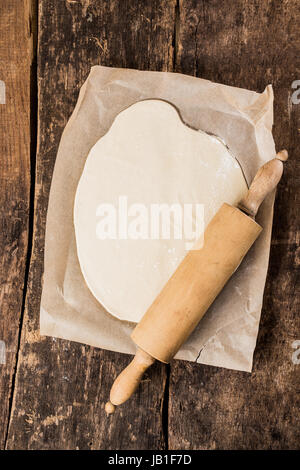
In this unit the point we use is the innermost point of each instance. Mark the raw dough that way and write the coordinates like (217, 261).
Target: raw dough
(149, 156)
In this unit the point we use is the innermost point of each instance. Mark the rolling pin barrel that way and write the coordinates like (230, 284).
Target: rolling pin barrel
(196, 283)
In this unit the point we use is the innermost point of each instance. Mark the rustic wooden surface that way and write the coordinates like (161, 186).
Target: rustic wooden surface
(15, 65)
(60, 387)
(249, 45)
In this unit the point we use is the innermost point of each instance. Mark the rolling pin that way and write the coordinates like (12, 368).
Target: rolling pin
(197, 281)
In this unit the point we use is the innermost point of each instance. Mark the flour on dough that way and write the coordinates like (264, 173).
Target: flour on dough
(149, 156)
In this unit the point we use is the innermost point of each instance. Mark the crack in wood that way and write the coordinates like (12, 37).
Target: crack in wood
(165, 408)
(176, 34)
(33, 147)
(165, 402)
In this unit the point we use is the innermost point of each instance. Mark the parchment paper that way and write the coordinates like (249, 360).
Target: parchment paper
(226, 336)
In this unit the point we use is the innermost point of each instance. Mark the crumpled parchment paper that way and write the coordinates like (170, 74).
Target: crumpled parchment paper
(226, 336)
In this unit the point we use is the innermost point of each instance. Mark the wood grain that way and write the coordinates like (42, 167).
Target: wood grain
(61, 387)
(249, 44)
(15, 65)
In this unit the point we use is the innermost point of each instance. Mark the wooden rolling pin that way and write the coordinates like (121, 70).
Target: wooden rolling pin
(196, 283)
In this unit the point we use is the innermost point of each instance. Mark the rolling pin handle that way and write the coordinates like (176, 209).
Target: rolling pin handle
(266, 179)
(127, 382)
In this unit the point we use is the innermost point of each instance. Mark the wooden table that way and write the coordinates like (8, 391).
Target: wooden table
(53, 391)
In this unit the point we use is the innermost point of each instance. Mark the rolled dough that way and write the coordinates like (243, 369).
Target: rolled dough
(149, 156)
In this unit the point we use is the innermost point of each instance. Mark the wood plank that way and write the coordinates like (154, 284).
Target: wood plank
(61, 387)
(248, 44)
(15, 64)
